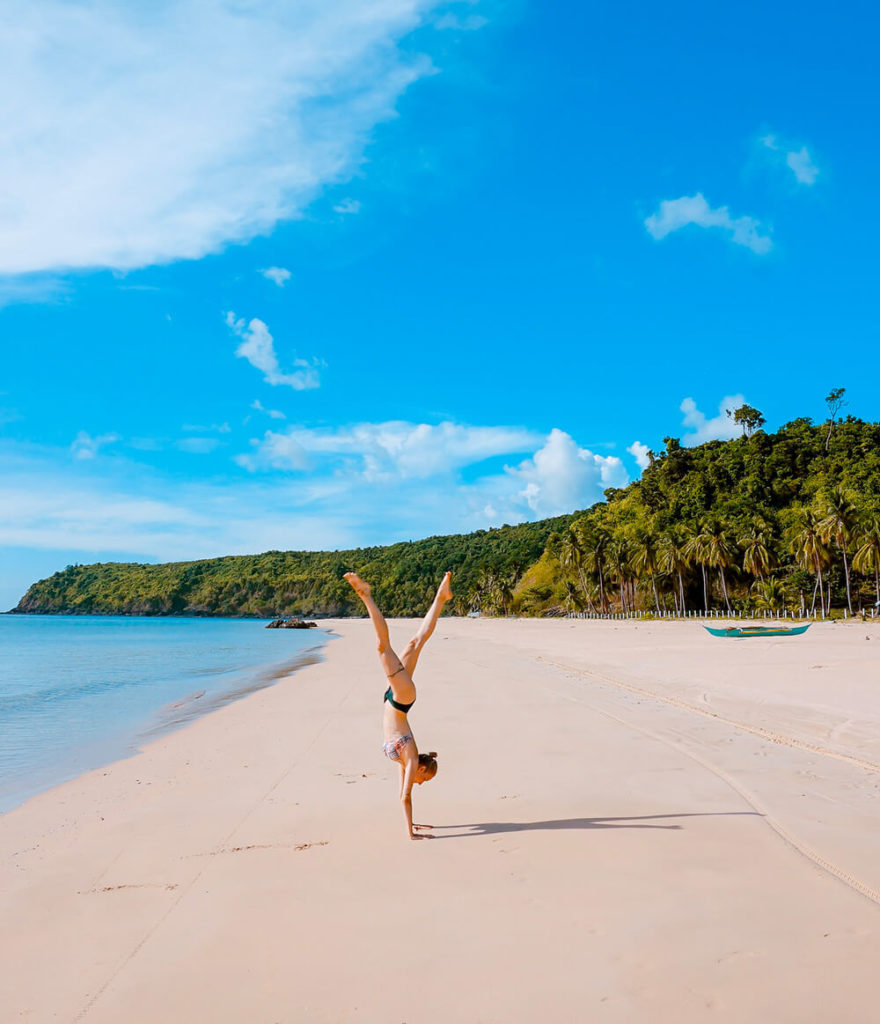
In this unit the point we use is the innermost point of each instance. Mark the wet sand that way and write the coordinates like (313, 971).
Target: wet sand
(632, 822)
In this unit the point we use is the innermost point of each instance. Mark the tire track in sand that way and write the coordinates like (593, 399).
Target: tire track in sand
(221, 847)
(755, 730)
(753, 801)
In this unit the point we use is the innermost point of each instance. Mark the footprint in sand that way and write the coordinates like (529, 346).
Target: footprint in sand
(167, 886)
(296, 847)
(351, 779)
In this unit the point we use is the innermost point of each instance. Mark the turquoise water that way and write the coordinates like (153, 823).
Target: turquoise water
(80, 691)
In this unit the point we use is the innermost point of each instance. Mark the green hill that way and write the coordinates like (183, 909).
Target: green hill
(772, 520)
(766, 521)
(404, 578)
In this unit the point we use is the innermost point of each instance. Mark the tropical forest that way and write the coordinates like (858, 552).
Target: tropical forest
(785, 522)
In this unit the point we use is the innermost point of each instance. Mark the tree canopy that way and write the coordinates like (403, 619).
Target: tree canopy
(771, 520)
(404, 577)
(786, 519)
(747, 417)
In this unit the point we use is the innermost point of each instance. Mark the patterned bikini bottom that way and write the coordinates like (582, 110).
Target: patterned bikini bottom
(393, 748)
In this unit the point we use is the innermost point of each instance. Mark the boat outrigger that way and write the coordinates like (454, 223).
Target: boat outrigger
(744, 631)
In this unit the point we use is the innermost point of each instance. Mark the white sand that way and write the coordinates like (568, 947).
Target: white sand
(636, 823)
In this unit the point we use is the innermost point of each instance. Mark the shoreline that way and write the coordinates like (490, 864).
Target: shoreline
(640, 821)
(119, 739)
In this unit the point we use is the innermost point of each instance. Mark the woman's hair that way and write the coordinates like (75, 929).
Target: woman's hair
(429, 763)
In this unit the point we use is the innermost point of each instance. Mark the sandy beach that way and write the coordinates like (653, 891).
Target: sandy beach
(632, 821)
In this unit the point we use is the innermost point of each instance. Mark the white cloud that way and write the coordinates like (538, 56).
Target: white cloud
(352, 489)
(258, 347)
(720, 428)
(640, 452)
(136, 134)
(196, 428)
(561, 477)
(198, 445)
(275, 451)
(348, 206)
(675, 214)
(804, 169)
(278, 275)
(391, 450)
(469, 24)
(273, 414)
(44, 520)
(84, 446)
(799, 160)
(25, 288)
(108, 506)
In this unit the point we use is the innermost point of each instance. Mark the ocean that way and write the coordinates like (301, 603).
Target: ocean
(80, 691)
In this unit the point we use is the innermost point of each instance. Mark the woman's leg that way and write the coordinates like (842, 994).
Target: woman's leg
(400, 679)
(414, 647)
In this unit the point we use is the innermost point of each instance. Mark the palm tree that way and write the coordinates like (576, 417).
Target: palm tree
(595, 541)
(839, 525)
(720, 551)
(571, 555)
(618, 566)
(806, 544)
(770, 595)
(483, 594)
(573, 602)
(645, 557)
(674, 560)
(504, 584)
(757, 550)
(867, 556)
(696, 551)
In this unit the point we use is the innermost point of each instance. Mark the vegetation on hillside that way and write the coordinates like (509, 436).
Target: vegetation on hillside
(763, 522)
(404, 577)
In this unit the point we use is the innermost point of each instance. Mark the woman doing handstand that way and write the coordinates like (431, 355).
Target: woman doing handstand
(399, 745)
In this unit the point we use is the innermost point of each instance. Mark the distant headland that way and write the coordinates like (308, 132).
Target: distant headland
(784, 520)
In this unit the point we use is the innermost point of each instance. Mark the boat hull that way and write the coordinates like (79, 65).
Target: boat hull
(743, 632)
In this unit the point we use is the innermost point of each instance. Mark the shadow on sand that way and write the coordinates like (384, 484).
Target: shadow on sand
(487, 828)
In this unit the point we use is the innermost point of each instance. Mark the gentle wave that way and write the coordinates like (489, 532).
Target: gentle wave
(193, 706)
(77, 692)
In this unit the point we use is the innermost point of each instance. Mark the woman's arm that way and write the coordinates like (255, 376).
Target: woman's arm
(406, 785)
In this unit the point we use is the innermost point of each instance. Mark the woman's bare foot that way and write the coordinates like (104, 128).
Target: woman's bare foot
(357, 584)
(444, 591)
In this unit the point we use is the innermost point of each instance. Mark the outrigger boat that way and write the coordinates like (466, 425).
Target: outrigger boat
(743, 631)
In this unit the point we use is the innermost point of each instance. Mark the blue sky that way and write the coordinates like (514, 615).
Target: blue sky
(315, 275)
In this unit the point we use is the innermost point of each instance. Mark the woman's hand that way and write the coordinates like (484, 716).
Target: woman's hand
(422, 826)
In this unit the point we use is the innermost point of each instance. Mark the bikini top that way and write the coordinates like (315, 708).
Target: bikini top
(389, 696)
